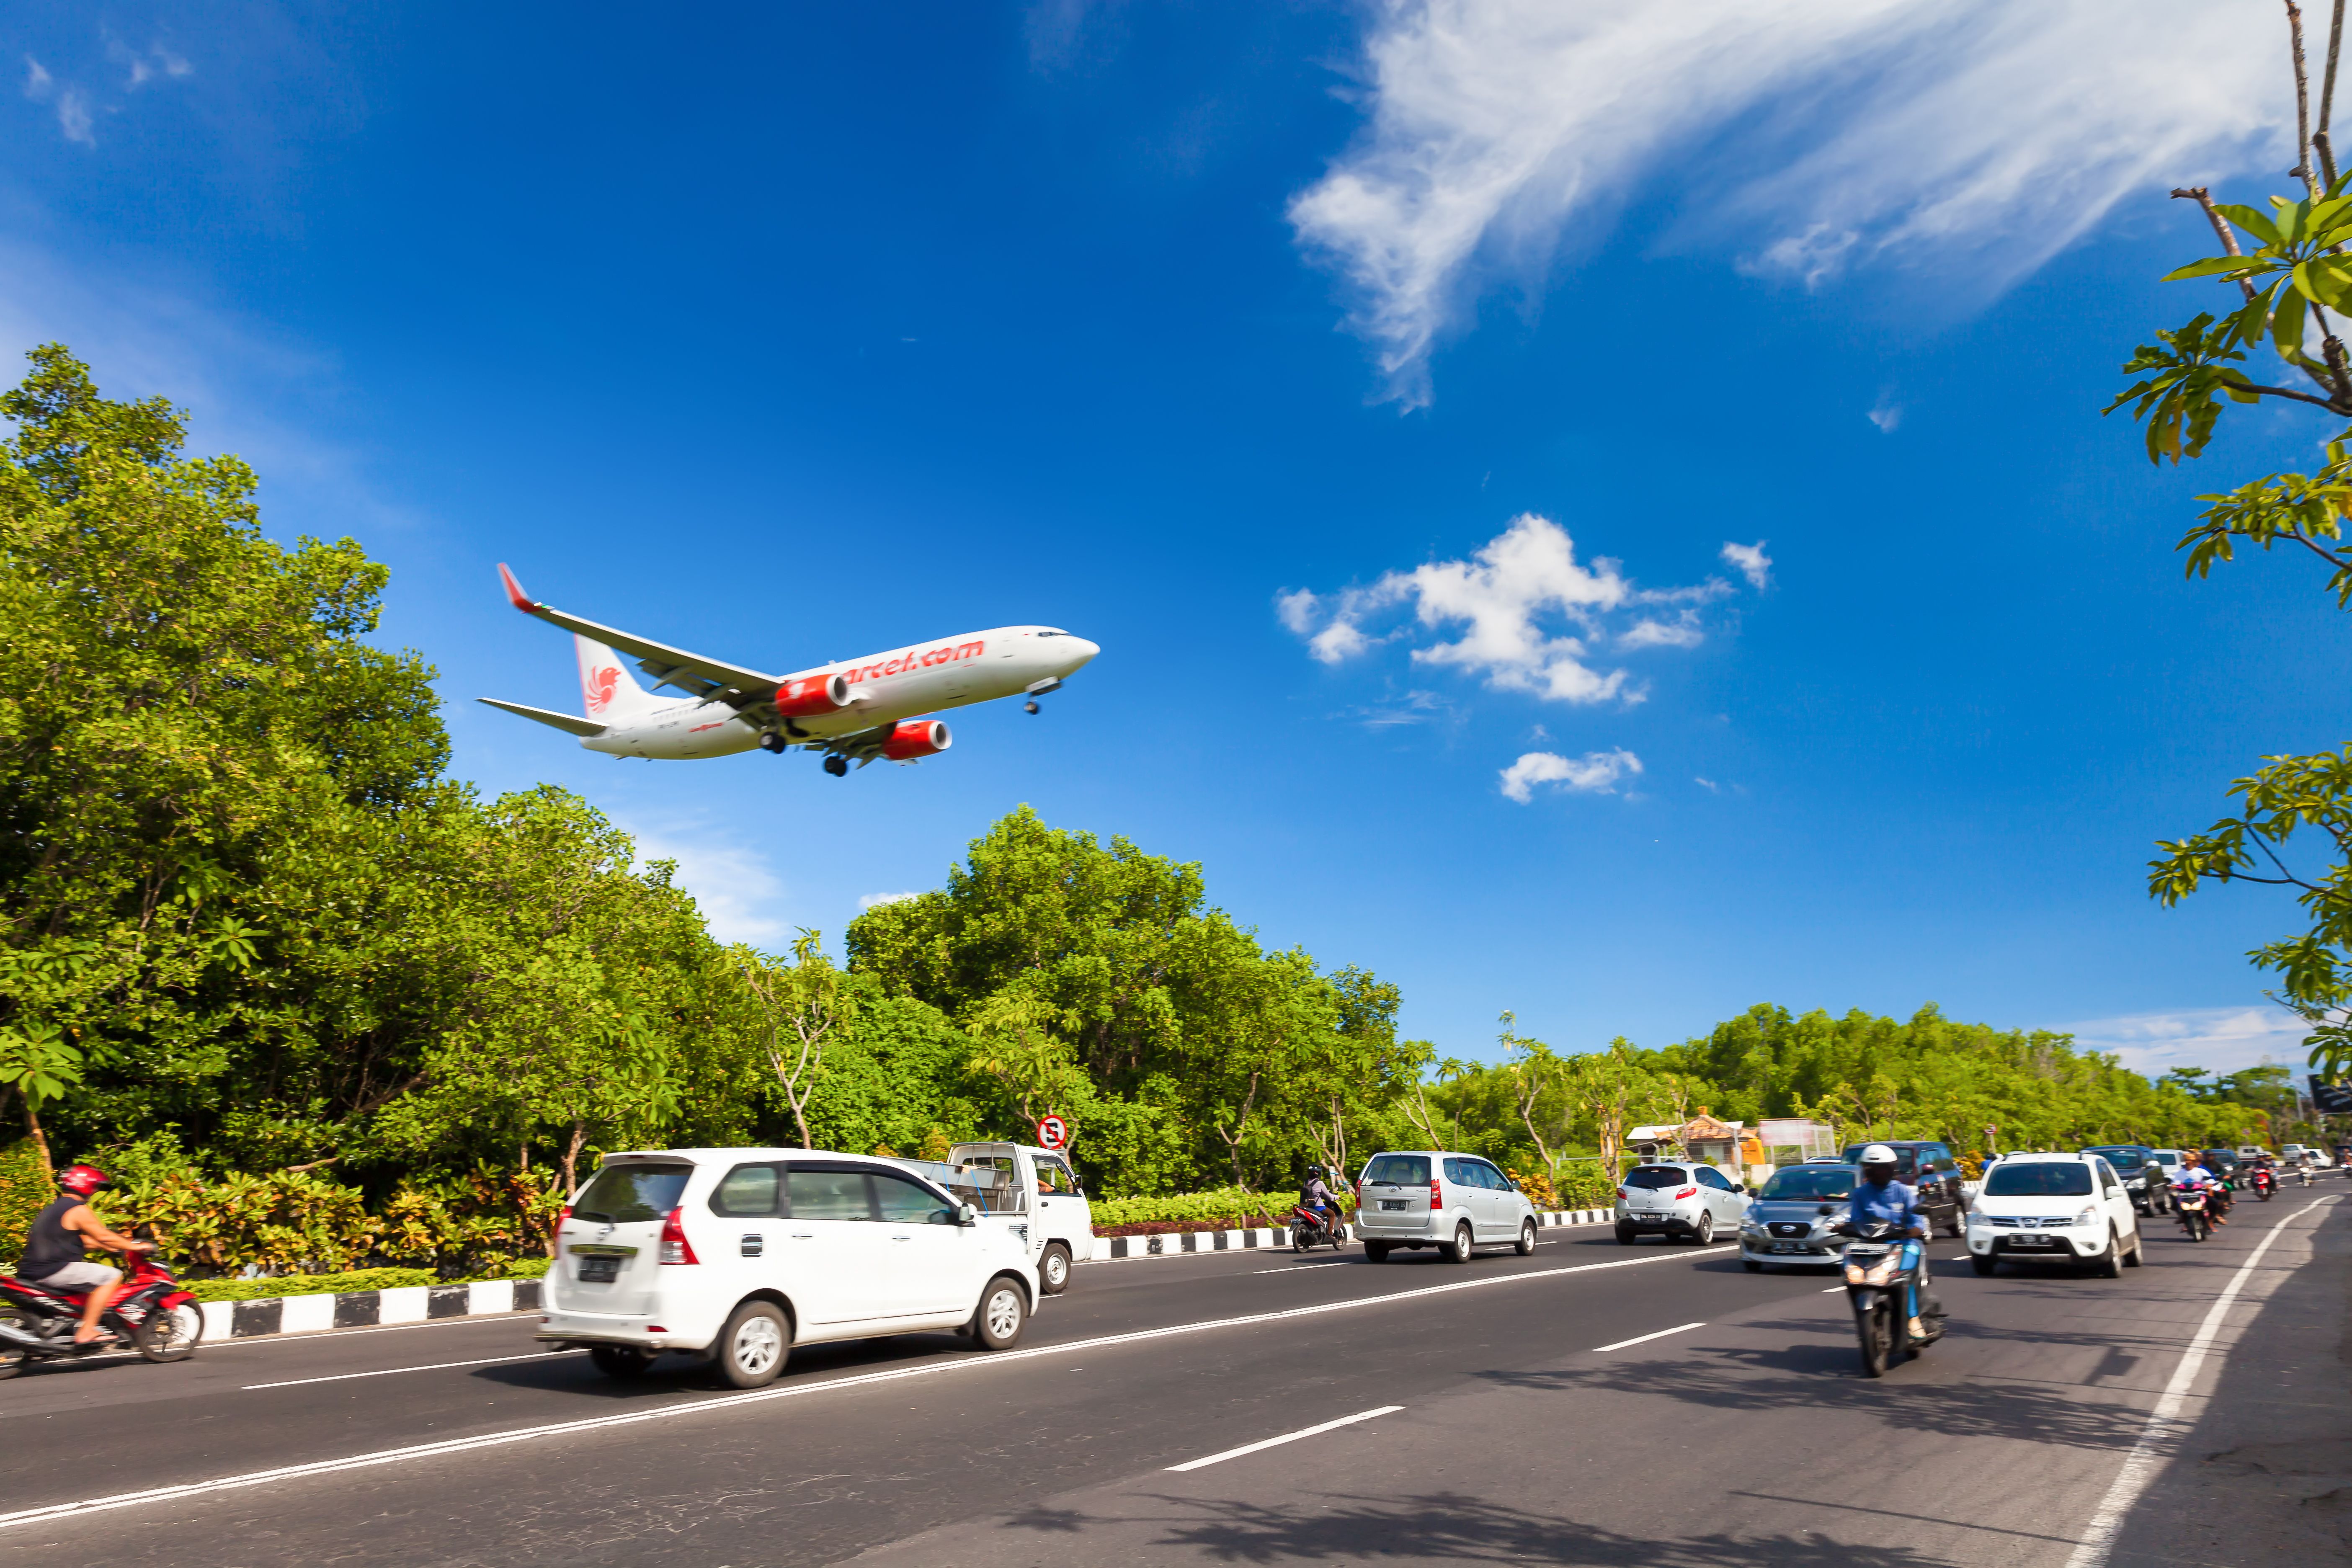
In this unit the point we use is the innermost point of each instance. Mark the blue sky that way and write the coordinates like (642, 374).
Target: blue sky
(1316, 361)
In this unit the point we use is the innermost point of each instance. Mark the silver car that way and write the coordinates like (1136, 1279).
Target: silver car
(1455, 1203)
(1678, 1199)
(1790, 1219)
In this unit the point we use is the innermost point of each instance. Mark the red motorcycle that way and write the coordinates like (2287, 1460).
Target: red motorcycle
(1311, 1227)
(2265, 1183)
(153, 1314)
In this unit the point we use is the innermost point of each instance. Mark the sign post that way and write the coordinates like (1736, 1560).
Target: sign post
(1053, 1132)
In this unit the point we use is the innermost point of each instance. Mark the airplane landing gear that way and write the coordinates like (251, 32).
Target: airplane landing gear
(837, 766)
(1029, 707)
(771, 742)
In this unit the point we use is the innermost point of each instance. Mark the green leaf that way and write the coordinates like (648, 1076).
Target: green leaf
(2259, 225)
(2212, 266)
(2286, 321)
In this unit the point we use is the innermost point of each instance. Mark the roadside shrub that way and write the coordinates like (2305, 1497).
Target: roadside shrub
(1587, 1186)
(1538, 1188)
(470, 1223)
(1231, 1208)
(285, 1223)
(24, 1193)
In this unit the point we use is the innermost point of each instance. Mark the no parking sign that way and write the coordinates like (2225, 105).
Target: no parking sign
(1053, 1132)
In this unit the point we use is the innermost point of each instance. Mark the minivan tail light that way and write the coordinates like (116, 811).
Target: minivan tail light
(1436, 1196)
(563, 1216)
(675, 1247)
(1686, 1193)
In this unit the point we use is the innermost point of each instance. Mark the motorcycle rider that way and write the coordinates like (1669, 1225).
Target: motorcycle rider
(2265, 1172)
(2194, 1175)
(1877, 1197)
(1316, 1196)
(60, 1236)
(2152, 1184)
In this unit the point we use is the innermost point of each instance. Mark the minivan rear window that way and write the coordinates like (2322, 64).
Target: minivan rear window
(1398, 1169)
(1657, 1176)
(2039, 1179)
(631, 1194)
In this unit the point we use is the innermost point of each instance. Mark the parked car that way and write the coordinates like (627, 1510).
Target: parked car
(738, 1255)
(1790, 1219)
(2130, 1162)
(1455, 1203)
(1928, 1166)
(2052, 1207)
(1679, 1198)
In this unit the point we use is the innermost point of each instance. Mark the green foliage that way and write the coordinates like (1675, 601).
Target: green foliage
(1237, 1205)
(25, 1191)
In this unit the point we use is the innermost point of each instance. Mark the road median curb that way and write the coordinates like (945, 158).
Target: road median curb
(1176, 1244)
(366, 1308)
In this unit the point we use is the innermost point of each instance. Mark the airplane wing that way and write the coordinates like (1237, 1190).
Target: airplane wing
(713, 680)
(563, 721)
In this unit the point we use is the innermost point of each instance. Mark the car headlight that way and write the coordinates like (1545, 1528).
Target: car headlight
(1878, 1275)
(1750, 1227)
(2089, 1216)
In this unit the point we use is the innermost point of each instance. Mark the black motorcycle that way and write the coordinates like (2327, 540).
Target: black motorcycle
(1878, 1287)
(2189, 1203)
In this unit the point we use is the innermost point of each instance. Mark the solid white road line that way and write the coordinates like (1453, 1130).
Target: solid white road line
(313, 1336)
(1298, 1267)
(1288, 1437)
(1645, 1339)
(388, 1371)
(2140, 1464)
(726, 1402)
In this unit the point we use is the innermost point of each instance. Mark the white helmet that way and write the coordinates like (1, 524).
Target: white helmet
(1878, 1154)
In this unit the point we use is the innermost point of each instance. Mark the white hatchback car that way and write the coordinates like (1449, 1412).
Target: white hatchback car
(2051, 1208)
(1451, 1201)
(1679, 1199)
(738, 1255)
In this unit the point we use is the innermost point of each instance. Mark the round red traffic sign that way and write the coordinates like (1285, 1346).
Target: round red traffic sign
(1053, 1132)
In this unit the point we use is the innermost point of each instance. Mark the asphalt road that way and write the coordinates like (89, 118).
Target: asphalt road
(1746, 1438)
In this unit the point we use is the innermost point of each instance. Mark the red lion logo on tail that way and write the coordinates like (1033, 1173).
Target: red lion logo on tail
(600, 687)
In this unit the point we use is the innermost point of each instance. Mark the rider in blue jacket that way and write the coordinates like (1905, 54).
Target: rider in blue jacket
(1878, 1197)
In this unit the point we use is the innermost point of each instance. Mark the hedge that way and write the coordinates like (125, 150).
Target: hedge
(350, 1279)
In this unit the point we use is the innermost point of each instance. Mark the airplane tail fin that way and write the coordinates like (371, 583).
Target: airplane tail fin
(606, 686)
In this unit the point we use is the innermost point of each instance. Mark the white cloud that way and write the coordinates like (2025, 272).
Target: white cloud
(1886, 416)
(876, 901)
(73, 117)
(158, 61)
(1750, 561)
(1974, 142)
(734, 887)
(37, 80)
(2220, 1039)
(1529, 614)
(1708, 785)
(1594, 772)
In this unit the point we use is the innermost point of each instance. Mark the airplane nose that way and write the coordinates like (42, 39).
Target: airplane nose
(1084, 651)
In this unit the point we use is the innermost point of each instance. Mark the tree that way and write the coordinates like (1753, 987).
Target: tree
(2289, 273)
(37, 1064)
(1536, 1075)
(799, 1007)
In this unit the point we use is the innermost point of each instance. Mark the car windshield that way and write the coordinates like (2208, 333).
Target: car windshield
(1658, 1176)
(1398, 1171)
(631, 1194)
(1809, 1182)
(2038, 1179)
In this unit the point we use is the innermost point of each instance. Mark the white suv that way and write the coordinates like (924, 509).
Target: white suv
(1452, 1202)
(2048, 1207)
(737, 1254)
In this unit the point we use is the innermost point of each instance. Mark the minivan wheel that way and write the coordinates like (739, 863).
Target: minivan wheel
(2108, 1265)
(1053, 1269)
(619, 1361)
(1527, 1239)
(2138, 1254)
(1376, 1252)
(1460, 1251)
(752, 1346)
(1003, 1314)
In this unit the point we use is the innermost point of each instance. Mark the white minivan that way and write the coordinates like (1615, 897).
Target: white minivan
(738, 1255)
(2049, 1209)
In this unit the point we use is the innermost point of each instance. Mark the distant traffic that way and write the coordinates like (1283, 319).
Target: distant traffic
(856, 710)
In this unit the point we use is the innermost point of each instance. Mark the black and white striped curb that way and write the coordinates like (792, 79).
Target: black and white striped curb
(366, 1308)
(1172, 1244)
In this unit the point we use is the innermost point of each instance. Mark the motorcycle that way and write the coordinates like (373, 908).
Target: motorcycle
(2265, 1184)
(2303, 1174)
(1878, 1287)
(2189, 1203)
(153, 1314)
(1311, 1228)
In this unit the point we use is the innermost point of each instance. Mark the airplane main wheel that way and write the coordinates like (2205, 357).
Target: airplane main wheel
(837, 766)
(1029, 708)
(770, 741)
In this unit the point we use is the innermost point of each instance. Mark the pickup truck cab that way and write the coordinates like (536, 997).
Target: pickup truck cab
(1031, 1191)
(735, 1256)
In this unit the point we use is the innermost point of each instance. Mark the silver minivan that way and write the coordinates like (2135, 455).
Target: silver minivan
(1424, 1197)
(1679, 1199)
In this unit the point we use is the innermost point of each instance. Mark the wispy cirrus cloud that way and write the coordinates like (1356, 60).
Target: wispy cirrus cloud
(1973, 142)
(2219, 1040)
(1523, 613)
(1595, 772)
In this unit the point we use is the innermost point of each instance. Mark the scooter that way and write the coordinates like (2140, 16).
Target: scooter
(1309, 1228)
(2189, 1203)
(158, 1320)
(2265, 1184)
(1878, 1287)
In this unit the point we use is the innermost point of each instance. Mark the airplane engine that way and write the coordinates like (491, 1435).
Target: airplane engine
(813, 696)
(916, 738)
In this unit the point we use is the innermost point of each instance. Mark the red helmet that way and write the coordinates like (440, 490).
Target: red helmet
(83, 1180)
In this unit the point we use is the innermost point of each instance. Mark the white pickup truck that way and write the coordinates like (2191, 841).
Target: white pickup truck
(1032, 1192)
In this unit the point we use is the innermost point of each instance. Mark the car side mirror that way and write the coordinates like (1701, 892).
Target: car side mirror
(1825, 1209)
(967, 1215)
(1739, 1186)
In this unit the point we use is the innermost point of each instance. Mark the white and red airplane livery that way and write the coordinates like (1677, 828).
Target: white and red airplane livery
(864, 708)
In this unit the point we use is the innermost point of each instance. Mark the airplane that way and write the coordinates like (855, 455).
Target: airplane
(859, 710)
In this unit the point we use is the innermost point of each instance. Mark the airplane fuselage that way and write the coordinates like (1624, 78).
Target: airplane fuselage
(923, 677)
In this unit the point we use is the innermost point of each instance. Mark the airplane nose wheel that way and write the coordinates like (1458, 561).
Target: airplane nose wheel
(1029, 708)
(771, 742)
(837, 766)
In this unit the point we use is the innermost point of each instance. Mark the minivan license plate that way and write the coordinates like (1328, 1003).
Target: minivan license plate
(1388, 1204)
(599, 1270)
